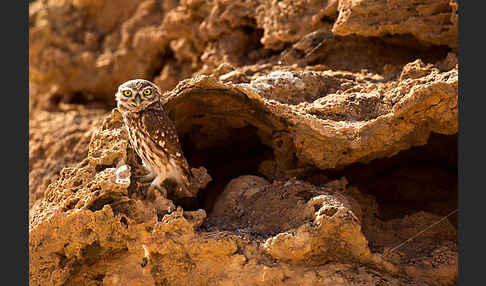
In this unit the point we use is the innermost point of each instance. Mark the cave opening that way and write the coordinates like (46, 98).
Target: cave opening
(230, 136)
(239, 154)
(223, 131)
(422, 178)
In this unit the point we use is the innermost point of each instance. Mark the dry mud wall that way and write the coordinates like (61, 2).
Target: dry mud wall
(322, 133)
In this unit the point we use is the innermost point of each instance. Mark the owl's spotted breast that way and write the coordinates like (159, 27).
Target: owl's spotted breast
(154, 138)
(163, 133)
(152, 134)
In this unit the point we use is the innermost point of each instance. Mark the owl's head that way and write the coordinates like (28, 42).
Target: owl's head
(135, 95)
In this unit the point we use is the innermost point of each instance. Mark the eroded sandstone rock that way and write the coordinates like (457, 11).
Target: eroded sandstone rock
(307, 224)
(433, 22)
(57, 140)
(331, 123)
(87, 48)
(96, 223)
(322, 85)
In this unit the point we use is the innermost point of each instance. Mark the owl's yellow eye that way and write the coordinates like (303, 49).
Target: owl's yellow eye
(127, 93)
(147, 91)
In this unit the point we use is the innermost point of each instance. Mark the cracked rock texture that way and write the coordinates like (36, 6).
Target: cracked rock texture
(329, 123)
(57, 140)
(433, 22)
(322, 136)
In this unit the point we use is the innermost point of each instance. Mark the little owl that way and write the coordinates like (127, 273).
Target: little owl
(153, 135)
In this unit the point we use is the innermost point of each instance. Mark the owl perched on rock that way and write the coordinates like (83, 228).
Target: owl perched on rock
(153, 135)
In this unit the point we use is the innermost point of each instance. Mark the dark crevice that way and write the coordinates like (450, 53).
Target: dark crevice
(421, 178)
(91, 253)
(238, 155)
(99, 277)
(89, 101)
(254, 48)
(355, 53)
(124, 221)
(249, 30)
(100, 168)
(78, 98)
(330, 211)
(327, 19)
(98, 204)
(71, 205)
(63, 260)
(164, 57)
(222, 131)
(53, 102)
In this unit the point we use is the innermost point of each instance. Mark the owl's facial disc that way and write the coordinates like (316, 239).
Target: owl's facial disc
(136, 95)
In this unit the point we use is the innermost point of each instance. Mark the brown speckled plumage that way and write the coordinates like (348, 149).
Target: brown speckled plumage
(153, 135)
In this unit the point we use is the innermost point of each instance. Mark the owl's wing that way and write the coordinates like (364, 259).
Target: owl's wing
(161, 129)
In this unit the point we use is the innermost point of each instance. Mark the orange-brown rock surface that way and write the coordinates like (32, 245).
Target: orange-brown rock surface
(433, 22)
(321, 135)
(57, 140)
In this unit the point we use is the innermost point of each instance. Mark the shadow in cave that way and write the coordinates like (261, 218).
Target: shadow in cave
(418, 179)
(238, 155)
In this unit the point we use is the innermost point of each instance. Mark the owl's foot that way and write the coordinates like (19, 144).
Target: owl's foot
(158, 196)
(178, 189)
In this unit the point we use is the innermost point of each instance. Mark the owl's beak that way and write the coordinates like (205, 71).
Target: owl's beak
(138, 99)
